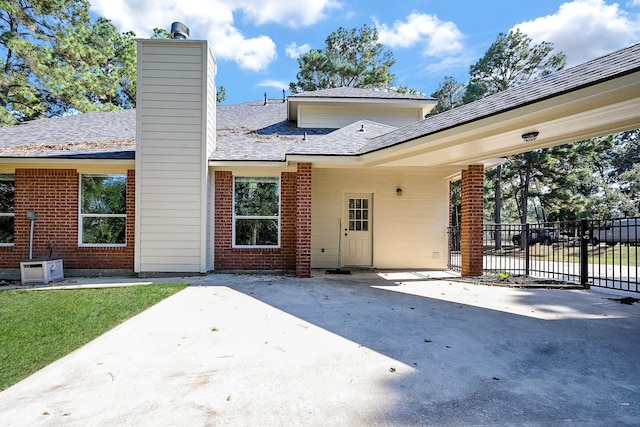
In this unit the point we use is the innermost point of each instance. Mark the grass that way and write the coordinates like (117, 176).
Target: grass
(611, 255)
(625, 255)
(38, 327)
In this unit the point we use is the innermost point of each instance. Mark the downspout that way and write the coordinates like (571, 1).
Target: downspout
(31, 215)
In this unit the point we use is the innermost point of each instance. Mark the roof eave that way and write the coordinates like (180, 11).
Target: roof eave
(65, 160)
(602, 108)
(248, 163)
(616, 76)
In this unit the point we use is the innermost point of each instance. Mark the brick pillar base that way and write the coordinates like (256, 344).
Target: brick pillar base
(303, 220)
(472, 220)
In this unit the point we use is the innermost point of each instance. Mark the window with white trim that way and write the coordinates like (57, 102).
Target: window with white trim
(103, 210)
(7, 208)
(256, 212)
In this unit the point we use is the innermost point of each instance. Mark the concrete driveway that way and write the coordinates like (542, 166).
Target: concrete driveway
(362, 350)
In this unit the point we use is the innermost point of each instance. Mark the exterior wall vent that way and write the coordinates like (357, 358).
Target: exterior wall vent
(179, 31)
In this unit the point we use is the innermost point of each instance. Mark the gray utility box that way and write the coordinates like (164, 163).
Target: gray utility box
(41, 270)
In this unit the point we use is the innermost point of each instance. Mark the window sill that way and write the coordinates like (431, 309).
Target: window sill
(102, 246)
(256, 247)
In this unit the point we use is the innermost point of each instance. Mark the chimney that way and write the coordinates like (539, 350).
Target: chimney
(179, 31)
(160, 133)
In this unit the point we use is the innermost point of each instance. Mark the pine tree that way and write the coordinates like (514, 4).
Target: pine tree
(351, 58)
(55, 61)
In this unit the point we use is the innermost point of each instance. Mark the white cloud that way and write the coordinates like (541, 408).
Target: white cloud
(253, 54)
(275, 84)
(214, 20)
(584, 29)
(291, 13)
(294, 51)
(437, 37)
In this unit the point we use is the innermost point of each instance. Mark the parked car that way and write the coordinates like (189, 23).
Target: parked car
(619, 231)
(538, 235)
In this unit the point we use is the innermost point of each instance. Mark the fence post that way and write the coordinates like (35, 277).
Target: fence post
(524, 238)
(449, 247)
(584, 253)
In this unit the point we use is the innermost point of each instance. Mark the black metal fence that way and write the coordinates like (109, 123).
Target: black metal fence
(602, 253)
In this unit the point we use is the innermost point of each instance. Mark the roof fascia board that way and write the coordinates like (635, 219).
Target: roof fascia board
(52, 162)
(247, 164)
(321, 100)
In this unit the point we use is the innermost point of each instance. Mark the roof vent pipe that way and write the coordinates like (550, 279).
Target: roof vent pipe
(179, 31)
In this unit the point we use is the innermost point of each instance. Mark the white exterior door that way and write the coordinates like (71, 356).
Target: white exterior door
(356, 236)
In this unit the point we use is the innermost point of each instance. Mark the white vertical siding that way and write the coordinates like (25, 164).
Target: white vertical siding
(173, 143)
(409, 231)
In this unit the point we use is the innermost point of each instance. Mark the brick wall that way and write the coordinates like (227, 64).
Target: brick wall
(53, 195)
(472, 220)
(229, 258)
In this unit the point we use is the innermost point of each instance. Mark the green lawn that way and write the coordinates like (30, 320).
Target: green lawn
(625, 255)
(38, 327)
(612, 255)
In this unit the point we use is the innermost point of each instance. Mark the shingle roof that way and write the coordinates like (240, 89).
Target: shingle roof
(344, 141)
(613, 65)
(91, 135)
(253, 131)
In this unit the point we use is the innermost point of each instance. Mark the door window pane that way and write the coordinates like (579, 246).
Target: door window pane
(358, 214)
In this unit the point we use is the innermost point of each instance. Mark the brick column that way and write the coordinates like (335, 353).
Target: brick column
(303, 220)
(472, 220)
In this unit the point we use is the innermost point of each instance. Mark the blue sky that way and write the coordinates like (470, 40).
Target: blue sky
(256, 42)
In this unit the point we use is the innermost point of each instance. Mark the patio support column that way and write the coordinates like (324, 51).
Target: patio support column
(472, 220)
(303, 220)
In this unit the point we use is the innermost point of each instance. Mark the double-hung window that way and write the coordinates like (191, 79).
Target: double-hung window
(256, 212)
(7, 208)
(103, 210)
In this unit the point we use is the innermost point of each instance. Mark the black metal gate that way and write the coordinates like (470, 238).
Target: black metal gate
(604, 253)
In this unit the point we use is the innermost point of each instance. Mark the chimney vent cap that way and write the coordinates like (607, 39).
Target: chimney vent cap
(179, 31)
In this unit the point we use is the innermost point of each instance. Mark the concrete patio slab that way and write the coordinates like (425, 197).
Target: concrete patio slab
(396, 348)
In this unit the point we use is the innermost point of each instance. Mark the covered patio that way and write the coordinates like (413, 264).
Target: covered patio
(598, 98)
